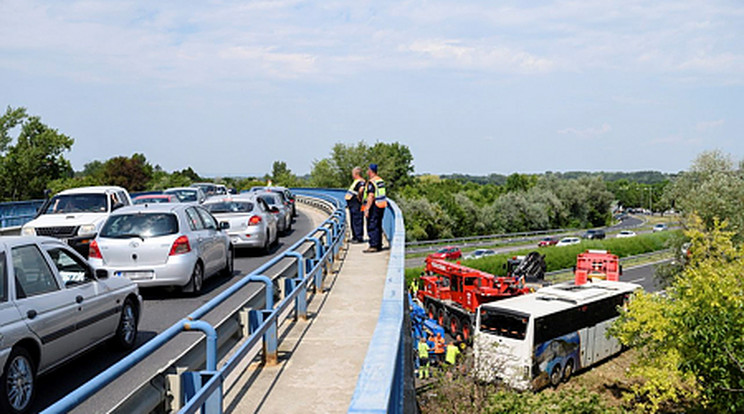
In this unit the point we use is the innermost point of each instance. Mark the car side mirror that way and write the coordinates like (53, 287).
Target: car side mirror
(224, 225)
(101, 273)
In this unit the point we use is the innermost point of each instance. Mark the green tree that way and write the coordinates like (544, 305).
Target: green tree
(133, 173)
(691, 342)
(282, 175)
(34, 160)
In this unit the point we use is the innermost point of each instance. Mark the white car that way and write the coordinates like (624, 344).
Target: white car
(568, 241)
(625, 234)
(76, 215)
(252, 221)
(173, 244)
(659, 227)
(480, 253)
(53, 307)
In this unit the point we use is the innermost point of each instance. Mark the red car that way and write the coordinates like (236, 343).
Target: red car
(548, 241)
(449, 253)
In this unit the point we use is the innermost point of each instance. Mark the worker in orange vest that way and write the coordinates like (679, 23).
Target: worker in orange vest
(439, 348)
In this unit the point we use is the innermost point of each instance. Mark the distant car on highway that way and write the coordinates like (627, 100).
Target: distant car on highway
(625, 234)
(155, 199)
(53, 307)
(174, 244)
(480, 253)
(76, 215)
(287, 195)
(594, 235)
(252, 222)
(547, 241)
(448, 252)
(659, 227)
(568, 241)
(282, 210)
(187, 194)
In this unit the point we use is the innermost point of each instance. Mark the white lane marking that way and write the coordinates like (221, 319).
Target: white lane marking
(637, 280)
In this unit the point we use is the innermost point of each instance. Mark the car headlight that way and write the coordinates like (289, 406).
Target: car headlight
(86, 229)
(28, 231)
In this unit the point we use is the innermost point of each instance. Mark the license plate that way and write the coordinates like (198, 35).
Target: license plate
(136, 275)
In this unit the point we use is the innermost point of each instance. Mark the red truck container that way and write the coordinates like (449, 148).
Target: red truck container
(599, 264)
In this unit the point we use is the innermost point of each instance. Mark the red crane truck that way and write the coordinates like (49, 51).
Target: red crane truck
(451, 293)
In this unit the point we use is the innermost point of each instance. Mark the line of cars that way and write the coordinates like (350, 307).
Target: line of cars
(71, 280)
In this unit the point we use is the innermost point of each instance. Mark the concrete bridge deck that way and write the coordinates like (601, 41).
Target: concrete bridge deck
(320, 359)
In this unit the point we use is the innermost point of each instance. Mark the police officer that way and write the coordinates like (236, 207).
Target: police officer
(376, 202)
(354, 201)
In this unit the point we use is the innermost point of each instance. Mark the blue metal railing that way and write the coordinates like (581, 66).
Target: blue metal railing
(205, 390)
(380, 387)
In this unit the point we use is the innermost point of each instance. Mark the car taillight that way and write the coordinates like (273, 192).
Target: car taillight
(93, 251)
(254, 220)
(180, 246)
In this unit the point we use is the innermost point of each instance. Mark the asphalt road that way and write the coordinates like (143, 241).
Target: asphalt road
(162, 308)
(642, 275)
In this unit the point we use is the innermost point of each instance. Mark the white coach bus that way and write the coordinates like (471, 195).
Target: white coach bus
(541, 338)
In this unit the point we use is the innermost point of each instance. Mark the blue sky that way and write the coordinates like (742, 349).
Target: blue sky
(227, 87)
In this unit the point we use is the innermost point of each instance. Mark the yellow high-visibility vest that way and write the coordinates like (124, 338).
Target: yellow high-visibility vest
(380, 199)
(452, 353)
(351, 192)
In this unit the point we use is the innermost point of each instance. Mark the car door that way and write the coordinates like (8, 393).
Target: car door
(50, 311)
(217, 251)
(200, 236)
(98, 312)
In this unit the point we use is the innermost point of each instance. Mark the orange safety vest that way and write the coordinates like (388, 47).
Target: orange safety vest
(439, 345)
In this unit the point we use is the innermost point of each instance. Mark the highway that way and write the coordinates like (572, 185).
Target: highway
(162, 308)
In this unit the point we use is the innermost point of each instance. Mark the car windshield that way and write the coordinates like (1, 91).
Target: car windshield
(183, 195)
(151, 200)
(503, 323)
(140, 225)
(230, 207)
(77, 203)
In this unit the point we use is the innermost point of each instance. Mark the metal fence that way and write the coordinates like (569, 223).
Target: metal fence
(203, 388)
(381, 387)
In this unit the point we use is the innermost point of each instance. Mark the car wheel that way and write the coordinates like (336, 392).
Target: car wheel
(126, 331)
(432, 311)
(467, 329)
(18, 382)
(230, 263)
(440, 317)
(568, 370)
(556, 376)
(454, 325)
(197, 279)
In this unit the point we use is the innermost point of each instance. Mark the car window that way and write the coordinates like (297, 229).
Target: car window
(32, 273)
(3, 279)
(72, 269)
(77, 203)
(209, 221)
(229, 207)
(194, 220)
(140, 225)
(123, 198)
(262, 205)
(184, 195)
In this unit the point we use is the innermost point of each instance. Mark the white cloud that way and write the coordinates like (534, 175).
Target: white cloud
(708, 125)
(460, 54)
(590, 132)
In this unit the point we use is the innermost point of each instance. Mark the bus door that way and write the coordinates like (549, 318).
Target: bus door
(586, 336)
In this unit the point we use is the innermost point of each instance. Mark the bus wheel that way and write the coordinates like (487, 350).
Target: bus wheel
(431, 311)
(454, 325)
(466, 329)
(556, 376)
(568, 370)
(440, 317)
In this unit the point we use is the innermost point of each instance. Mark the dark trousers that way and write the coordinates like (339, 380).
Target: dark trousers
(374, 226)
(357, 220)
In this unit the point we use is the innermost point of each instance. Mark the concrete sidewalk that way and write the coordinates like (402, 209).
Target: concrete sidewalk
(320, 359)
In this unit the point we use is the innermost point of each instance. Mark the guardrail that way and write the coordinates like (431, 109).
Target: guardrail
(195, 380)
(385, 381)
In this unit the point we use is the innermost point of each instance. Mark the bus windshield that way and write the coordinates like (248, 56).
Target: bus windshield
(503, 323)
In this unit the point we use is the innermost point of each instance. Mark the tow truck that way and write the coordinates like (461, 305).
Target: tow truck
(597, 264)
(451, 293)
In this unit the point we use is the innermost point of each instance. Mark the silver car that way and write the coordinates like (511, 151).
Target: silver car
(163, 245)
(252, 222)
(187, 194)
(53, 306)
(281, 210)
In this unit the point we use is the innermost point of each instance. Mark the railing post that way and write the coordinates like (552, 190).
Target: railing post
(196, 380)
(301, 300)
